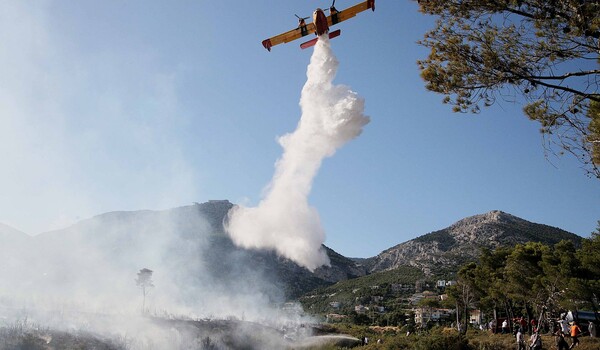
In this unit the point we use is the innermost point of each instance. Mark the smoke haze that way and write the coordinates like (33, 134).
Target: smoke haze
(284, 221)
(83, 278)
(88, 129)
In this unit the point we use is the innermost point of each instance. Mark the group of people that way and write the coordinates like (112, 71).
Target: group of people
(535, 340)
(574, 331)
(563, 330)
(365, 341)
(520, 323)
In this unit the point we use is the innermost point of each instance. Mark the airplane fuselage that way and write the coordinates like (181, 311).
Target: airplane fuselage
(320, 22)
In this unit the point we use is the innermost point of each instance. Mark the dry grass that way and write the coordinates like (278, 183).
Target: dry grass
(23, 334)
(487, 341)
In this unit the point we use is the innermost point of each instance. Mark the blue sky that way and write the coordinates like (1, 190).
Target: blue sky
(118, 105)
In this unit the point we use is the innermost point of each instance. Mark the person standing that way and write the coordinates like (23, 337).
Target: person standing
(564, 326)
(561, 343)
(575, 332)
(533, 325)
(592, 329)
(520, 340)
(505, 327)
(535, 342)
(523, 324)
(493, 326)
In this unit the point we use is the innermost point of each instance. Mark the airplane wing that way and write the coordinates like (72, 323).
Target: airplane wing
(309, 28)
(350, 12)
(288, 36)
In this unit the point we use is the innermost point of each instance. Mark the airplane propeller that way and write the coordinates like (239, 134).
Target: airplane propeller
(331, 7)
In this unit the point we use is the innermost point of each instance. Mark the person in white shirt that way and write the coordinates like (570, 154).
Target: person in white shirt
(520, 340)
(564, 326)
(592, 329)
(535, 342)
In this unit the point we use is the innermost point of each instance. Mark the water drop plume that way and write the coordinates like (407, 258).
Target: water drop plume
(284, 221)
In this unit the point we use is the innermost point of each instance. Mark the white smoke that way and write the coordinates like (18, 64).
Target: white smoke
(82, 278)
(332, 115)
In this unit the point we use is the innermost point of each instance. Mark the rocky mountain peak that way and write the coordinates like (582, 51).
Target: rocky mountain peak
(492, 217)
(463, 240)
(488, 226)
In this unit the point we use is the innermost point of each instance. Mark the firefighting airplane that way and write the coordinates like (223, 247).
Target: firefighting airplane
(320, 25)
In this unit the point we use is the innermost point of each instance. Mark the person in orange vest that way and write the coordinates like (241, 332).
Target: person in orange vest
(575, 332)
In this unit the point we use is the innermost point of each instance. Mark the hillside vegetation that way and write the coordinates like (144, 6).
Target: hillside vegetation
(350, 293)
(536, 281)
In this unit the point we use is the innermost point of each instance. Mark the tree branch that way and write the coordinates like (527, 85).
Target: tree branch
(567, 75)
(591, 96)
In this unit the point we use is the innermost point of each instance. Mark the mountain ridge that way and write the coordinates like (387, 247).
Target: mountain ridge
(463, 240)
(118, 233)
(9, 231)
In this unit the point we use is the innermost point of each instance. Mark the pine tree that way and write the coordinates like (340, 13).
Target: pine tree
(544, 53)
(144, 281)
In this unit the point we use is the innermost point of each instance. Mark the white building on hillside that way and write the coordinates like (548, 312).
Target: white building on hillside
(426, 314)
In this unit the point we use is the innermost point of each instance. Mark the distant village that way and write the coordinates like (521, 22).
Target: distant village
(407, 297)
